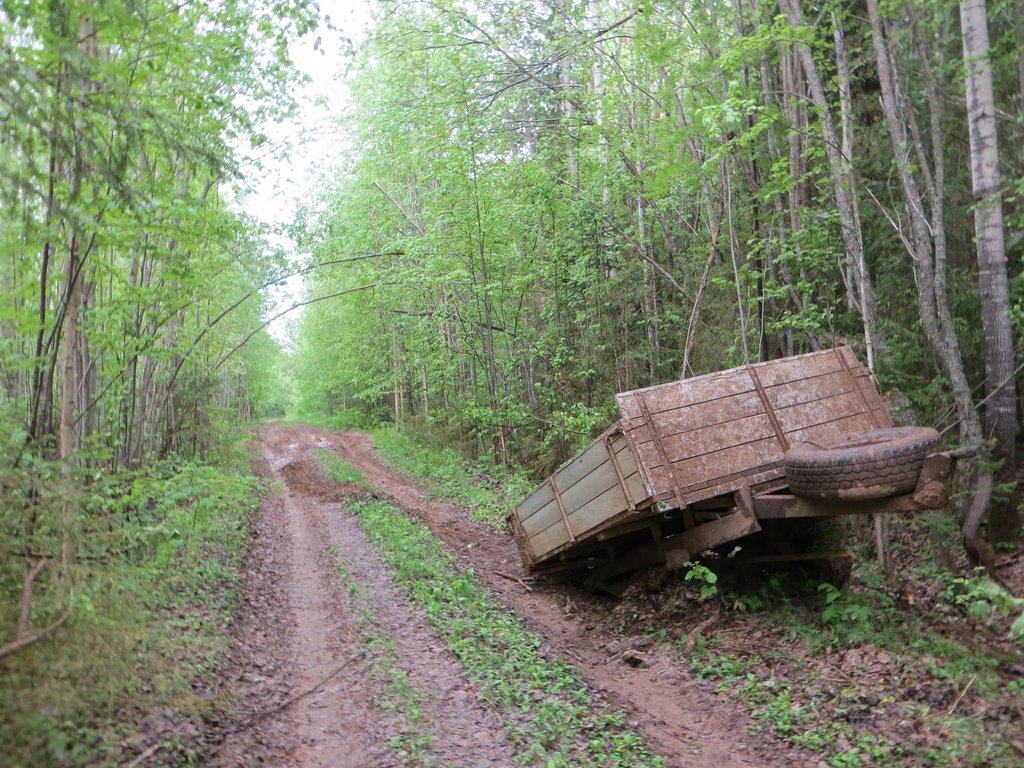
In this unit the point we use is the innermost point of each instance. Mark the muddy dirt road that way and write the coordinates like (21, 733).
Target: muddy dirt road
(309, 687)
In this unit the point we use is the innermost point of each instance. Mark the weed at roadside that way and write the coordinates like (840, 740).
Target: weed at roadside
(155, 591)
(546, 708)
(487, 490)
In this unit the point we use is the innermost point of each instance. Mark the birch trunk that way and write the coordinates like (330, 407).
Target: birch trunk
(1000, 407)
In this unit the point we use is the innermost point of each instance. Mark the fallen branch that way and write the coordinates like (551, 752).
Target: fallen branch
(144, 756)
(27, 640)
(510, 577)
(962, 694)
(253, 720)
(695, 632)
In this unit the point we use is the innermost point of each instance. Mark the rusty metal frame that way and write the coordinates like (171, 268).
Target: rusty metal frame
(769, 411)
(561, 508)
(618, 472)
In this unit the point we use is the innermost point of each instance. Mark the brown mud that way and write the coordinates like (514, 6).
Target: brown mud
(306, 687)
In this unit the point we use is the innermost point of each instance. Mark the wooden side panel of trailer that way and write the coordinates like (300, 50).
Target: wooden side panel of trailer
(580, 496)
(725, 430)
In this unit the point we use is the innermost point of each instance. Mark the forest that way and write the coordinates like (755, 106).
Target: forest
(546, 204)
(533, 206)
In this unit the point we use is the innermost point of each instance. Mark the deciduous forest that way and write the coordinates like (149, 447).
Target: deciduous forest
(532, 207)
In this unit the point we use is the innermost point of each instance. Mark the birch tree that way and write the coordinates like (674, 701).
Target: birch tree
(1000, 400)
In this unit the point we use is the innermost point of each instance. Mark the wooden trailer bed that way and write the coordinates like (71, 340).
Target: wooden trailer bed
(689, 463)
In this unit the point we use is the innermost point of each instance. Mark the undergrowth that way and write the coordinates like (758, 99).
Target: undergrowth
(546, 708)
(155, 589)
(489, 491)
(395, 694)
(827, 671)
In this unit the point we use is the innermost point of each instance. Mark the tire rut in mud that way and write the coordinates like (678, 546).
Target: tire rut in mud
(303, 642)
(684, 722)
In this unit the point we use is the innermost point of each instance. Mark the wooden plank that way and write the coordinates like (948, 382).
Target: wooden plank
(597, 462)
(711, 413)
(834, 408)
(659, 445)
(631, 473)
(584, 494)
(729, 528)
(771, 474)
(769, 411)
(680, 394)
(716, 439)
(570, 472)
(775, 372)
(606, 506)
(591, 459)
(630, 503)
(593, 486)
(734, 459)
(810, 389)
(850, 367)
(561, 510)
(785, 507)
(526, 553)
(737, 461)
(859, 422)
(535, 501)
(544, 543)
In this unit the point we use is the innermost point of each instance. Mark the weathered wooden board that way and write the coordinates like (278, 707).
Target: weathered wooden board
(590, 492)
(578, 482)
(584, 520)
(742, 420)
(686, 420)
(669, 397)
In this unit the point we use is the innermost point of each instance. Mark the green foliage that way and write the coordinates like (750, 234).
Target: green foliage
(488, 491)
(705, 578)
(982, 599)
(339, 470)
(543, 703)
(151, 604)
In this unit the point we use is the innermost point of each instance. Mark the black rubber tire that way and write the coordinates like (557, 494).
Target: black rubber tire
(864, 465)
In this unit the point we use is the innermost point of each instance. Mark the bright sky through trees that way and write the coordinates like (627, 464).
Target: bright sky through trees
(302, 149)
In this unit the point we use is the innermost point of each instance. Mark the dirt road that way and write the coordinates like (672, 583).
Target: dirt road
(310, 689)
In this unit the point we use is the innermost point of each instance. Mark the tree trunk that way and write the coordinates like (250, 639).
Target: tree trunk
(67, 412)
(843, 185)
(1000, 406)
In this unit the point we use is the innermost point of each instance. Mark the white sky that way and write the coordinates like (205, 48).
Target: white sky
(301, 151)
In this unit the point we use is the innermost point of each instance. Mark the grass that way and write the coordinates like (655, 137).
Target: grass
(546, 708)
(395, 694)
(779, 679)
(542, 702)
(487, 490)
(340, 470)
(155, 591)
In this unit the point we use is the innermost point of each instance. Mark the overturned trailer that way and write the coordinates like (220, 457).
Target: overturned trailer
(698, 463)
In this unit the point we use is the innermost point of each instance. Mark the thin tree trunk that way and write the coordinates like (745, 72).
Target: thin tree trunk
(843, 184)
(1000, 407)
(67, 413)
(919, 240)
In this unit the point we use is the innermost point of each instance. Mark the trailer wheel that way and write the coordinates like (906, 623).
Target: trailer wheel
(864, 465)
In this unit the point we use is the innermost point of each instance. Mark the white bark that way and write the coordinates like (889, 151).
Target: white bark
(1000, 408)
